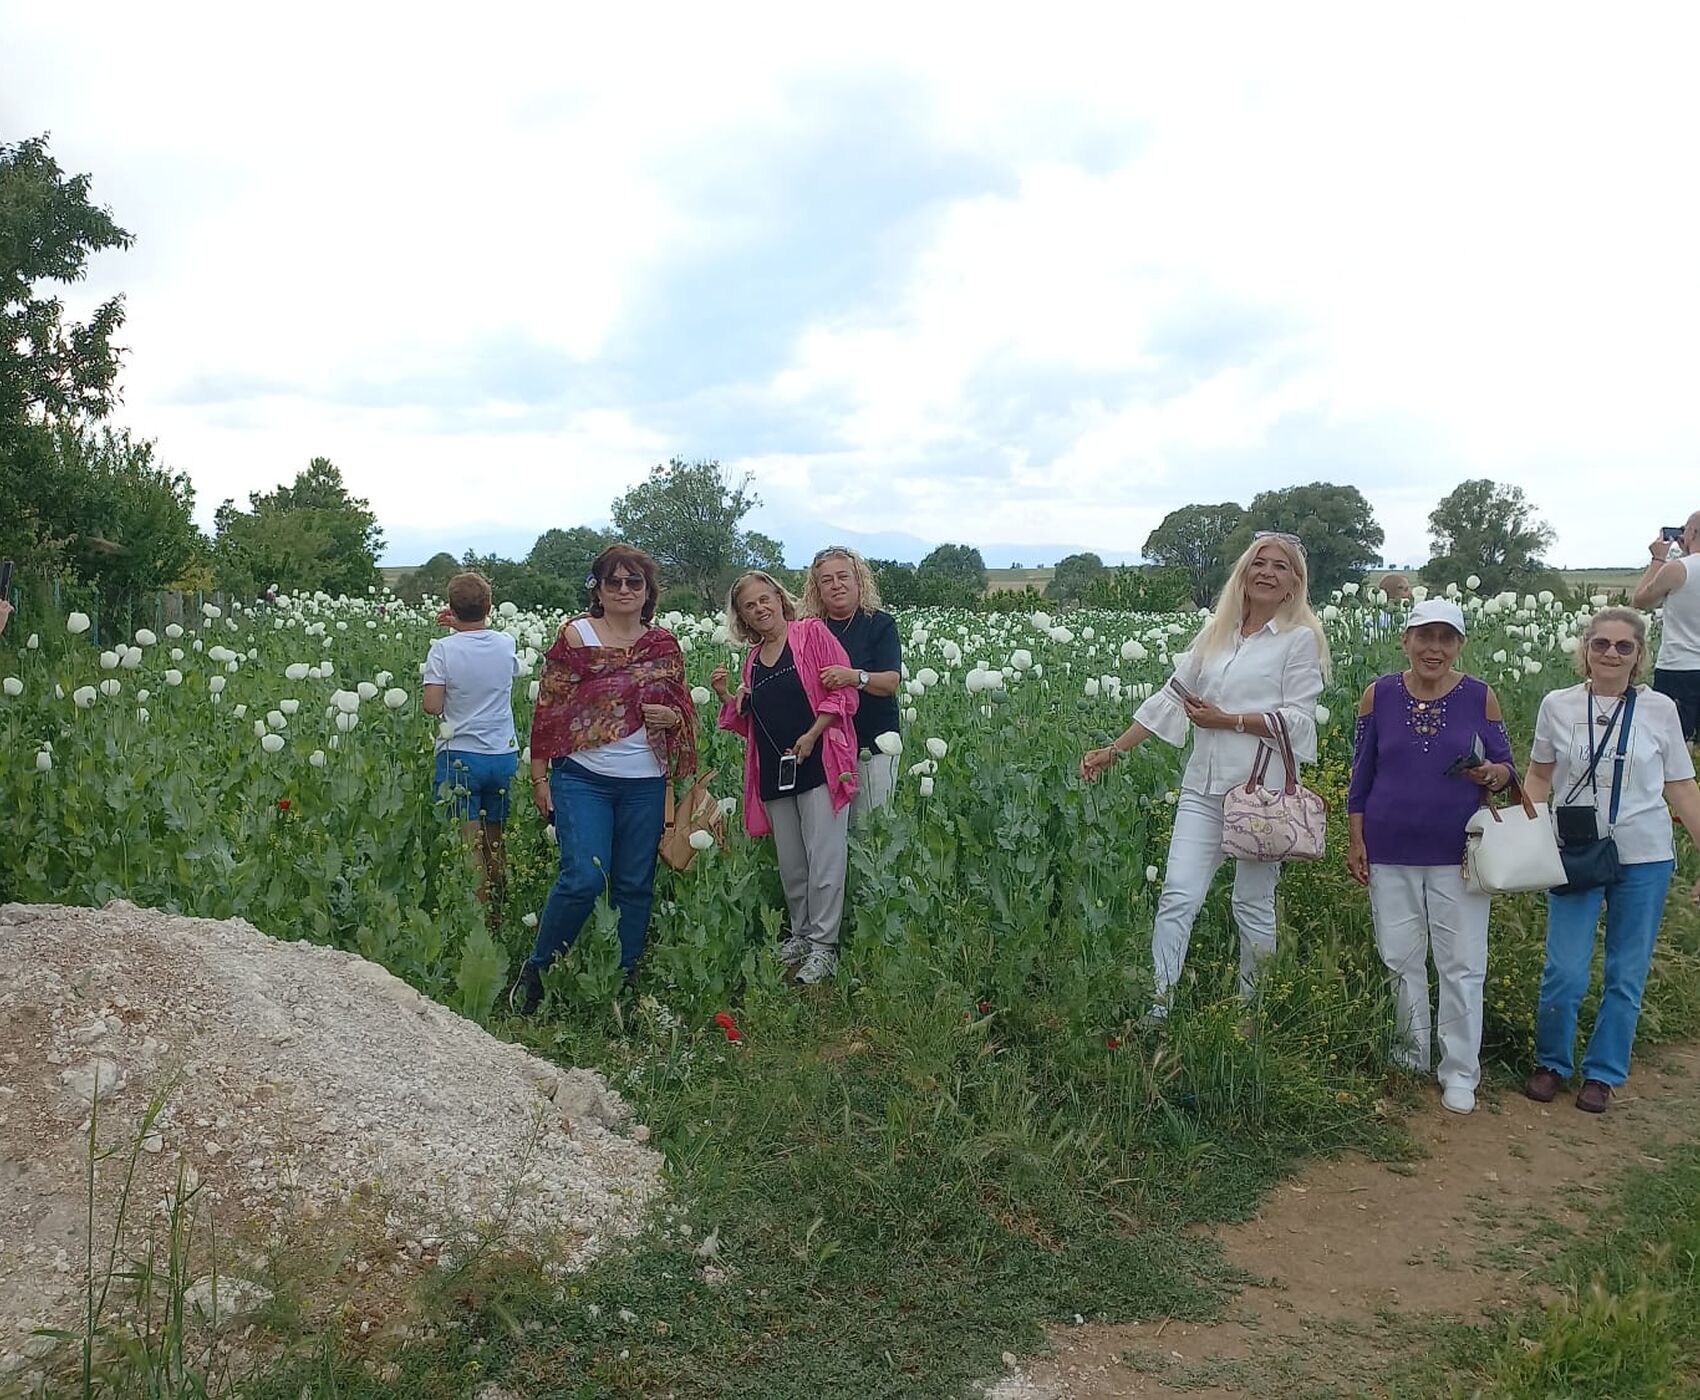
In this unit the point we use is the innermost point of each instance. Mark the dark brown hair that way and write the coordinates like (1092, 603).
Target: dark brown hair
(469, 597)
(633, 558)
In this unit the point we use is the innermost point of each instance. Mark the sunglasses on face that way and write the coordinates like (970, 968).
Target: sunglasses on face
(621, 583)
(1622, 646)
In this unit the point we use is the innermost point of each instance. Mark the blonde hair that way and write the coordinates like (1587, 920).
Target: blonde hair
(1631, 619)
(1218, 633)
(868, 592)
(735, 624)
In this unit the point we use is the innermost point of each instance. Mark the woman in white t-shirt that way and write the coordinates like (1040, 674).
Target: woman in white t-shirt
(1657, 774)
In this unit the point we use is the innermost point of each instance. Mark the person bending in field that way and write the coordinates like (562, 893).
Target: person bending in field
(469, 677)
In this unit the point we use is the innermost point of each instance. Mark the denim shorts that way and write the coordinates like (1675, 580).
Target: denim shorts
(475, 785)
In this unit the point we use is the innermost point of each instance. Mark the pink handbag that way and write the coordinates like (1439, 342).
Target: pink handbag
(1260, 823)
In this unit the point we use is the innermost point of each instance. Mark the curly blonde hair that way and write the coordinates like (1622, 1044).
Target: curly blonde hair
(735, 624)
(866, 588)
(1636, 622)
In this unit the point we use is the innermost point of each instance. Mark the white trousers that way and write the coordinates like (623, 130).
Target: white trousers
(1419, 909)
(876, 780)
(1195, 855)
(812, 843)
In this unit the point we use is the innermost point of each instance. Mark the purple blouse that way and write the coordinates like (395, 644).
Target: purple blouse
(1413, 813)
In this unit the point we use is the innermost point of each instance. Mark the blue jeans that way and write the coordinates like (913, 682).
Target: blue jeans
(1634, 907)
(608, 830)
(474, 785)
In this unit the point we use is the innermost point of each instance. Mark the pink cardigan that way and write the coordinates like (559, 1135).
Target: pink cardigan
(812, 647)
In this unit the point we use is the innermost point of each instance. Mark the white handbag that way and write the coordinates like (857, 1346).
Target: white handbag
(1511, 849)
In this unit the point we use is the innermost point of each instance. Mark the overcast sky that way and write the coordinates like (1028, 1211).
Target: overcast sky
(1026, 276)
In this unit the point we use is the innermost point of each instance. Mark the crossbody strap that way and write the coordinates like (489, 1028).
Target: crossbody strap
(1622, 753)
(1596, 754)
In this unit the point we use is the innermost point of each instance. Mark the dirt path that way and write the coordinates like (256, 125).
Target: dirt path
(1355, 1257)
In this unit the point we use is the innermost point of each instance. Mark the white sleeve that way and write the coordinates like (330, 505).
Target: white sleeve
(436, 670)
(1545, 747)
(1162, 713)
(1301, 688)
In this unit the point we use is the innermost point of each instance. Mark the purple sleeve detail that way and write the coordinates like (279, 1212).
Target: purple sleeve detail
(1363, 763)
(1496, 743)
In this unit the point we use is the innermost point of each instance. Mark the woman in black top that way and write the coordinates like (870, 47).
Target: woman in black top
(841, 592)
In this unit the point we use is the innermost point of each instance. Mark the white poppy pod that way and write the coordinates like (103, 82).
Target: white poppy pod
(111, 688)
(77, 623)
(296, 671)
(12, 686)
(366, 690)
(926, 787)
(701, 840)
(346, 721)
(927, 676)
(937, 747)
(701, 695)
(44, 762)
(108, 660)
(347, 701)
(272, 743)
(317, 758)
(173, 630)
(275, 720)
(890, 743)
(394, 698)
(289, 707)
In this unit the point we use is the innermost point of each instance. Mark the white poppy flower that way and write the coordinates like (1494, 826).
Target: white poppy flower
(1323, 714)
(239, 711)
(271, 743)
(289, 707)
(445, 730)
(1133, 651)
(111, 688)
(924, 768)
(1021, 659)
(174, 677)
(1042, 621)
(130, 658)
(34, 642)
(394, 698)
(347, 701)
(296, 671)
(259, 729)
(926, 787)
(1151, 873)
(909, 715)
(77, 623)
(1474, 581)
(275, 720)
(1350, 590)
(937, 747)
(317, 758)
(701, 840)
(383, 678)
(12, 686)
(366, 690)
(44, 762)
(211, 610)
(927, 677)
(108, 660)
(728, 805)
(701, 695)
(530, 921)
(890, 743)
(346, 721)
(1091, 687)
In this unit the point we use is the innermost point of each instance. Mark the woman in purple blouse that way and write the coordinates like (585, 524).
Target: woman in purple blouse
(1429, 740)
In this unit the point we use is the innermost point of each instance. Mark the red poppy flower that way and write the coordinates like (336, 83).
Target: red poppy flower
(728, 1025)
(1112, 1043)
(985, 1007)
(283, 804)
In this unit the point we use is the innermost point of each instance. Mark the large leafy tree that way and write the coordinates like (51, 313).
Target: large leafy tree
(1491, 530)
(310, 536)
(958, 564)
(688, 516)
(567, 554)
(1193, 540)
(1334, 523)
(1073, 577)
(48, 232)
(430, 580)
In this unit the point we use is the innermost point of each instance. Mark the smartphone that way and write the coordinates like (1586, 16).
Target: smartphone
(1179, 691)
(787, 772)
(5, 578)
(1671, 533)
(1465, 762)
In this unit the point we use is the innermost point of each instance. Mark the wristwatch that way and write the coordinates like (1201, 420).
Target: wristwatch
(861, 680)
(1239, 724)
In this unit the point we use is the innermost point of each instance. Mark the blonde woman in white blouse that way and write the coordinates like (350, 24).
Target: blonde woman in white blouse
(1262, 650)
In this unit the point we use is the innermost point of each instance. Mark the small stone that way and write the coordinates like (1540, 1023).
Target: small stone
(98, 1078)
(223, 1300)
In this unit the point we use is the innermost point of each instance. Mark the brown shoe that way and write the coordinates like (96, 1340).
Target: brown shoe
(1543, 1085)
(1594, 1096)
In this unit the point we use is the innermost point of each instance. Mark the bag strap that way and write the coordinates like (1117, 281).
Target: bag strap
(1277, 724)
(1591, 776)
(1622, 753)
(1522, 796)
(669, 809)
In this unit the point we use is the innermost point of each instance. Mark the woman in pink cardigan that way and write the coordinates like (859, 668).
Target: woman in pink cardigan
(799, 759)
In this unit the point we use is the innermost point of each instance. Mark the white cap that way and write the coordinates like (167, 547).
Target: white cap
(1437, 610)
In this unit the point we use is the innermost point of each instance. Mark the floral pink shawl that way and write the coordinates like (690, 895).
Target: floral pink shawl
(591, 696)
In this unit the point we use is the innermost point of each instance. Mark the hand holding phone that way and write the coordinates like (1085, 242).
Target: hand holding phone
(1672, 534)
(1466, 762)
(787, 772)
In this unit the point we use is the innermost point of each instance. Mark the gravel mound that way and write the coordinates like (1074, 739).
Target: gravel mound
(302, 1088)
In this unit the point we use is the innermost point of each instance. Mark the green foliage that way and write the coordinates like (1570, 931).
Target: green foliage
(308, 537)
(430, 580)
(1193, 540)
(1490, 530)
(687, 516)
(525, 586)
(1335, 524)
(1073, 577)
(1136, 589)
(48, 232)
(954, 564)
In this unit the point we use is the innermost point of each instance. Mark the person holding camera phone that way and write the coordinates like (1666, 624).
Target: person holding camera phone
(1430, 740)
(1615, 755)
(1672, 580)
(799, 759)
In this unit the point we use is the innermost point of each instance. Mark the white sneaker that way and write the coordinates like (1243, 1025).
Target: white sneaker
(794, 949)
(820, 964)
(1457, 1099)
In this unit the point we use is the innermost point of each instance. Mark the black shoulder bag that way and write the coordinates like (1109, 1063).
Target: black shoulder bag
(1590, 860)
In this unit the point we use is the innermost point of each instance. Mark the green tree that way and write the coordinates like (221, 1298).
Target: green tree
(688, 516)
(1491, 530)
(896, 580)
(957, 564)
(567, 554)
(1193, 540)
(430, 580)
(518, 582)
(48, 232)
(1140, 589)
(311, 536)
(1334, 523)
(1073, 576)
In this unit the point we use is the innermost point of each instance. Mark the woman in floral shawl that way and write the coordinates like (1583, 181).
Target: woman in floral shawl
(613, 725)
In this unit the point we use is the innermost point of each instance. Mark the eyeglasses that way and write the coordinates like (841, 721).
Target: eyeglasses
(1281, 535)
(1623, 646)
(829, 551)
(620, 583)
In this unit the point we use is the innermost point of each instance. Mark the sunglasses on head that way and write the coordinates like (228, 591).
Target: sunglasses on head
(1623, 646)
(620, 583)
(1284, 536)
(828, 552)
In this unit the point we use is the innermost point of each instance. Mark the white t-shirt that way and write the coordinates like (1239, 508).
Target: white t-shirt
(476, 670)
(630, 757)
(1657, 755)
(1679, 646)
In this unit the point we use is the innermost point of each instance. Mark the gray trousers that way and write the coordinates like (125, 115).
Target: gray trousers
(813, 845)
(876, 780)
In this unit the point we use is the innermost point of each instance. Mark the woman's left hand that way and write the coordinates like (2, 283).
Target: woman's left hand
(1495, 777)
(660, 717)
(1207, 716)
(838, 677)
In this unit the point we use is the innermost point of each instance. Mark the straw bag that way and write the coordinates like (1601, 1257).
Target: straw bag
(697, 810)
(1259, 823)
(1512, 849)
